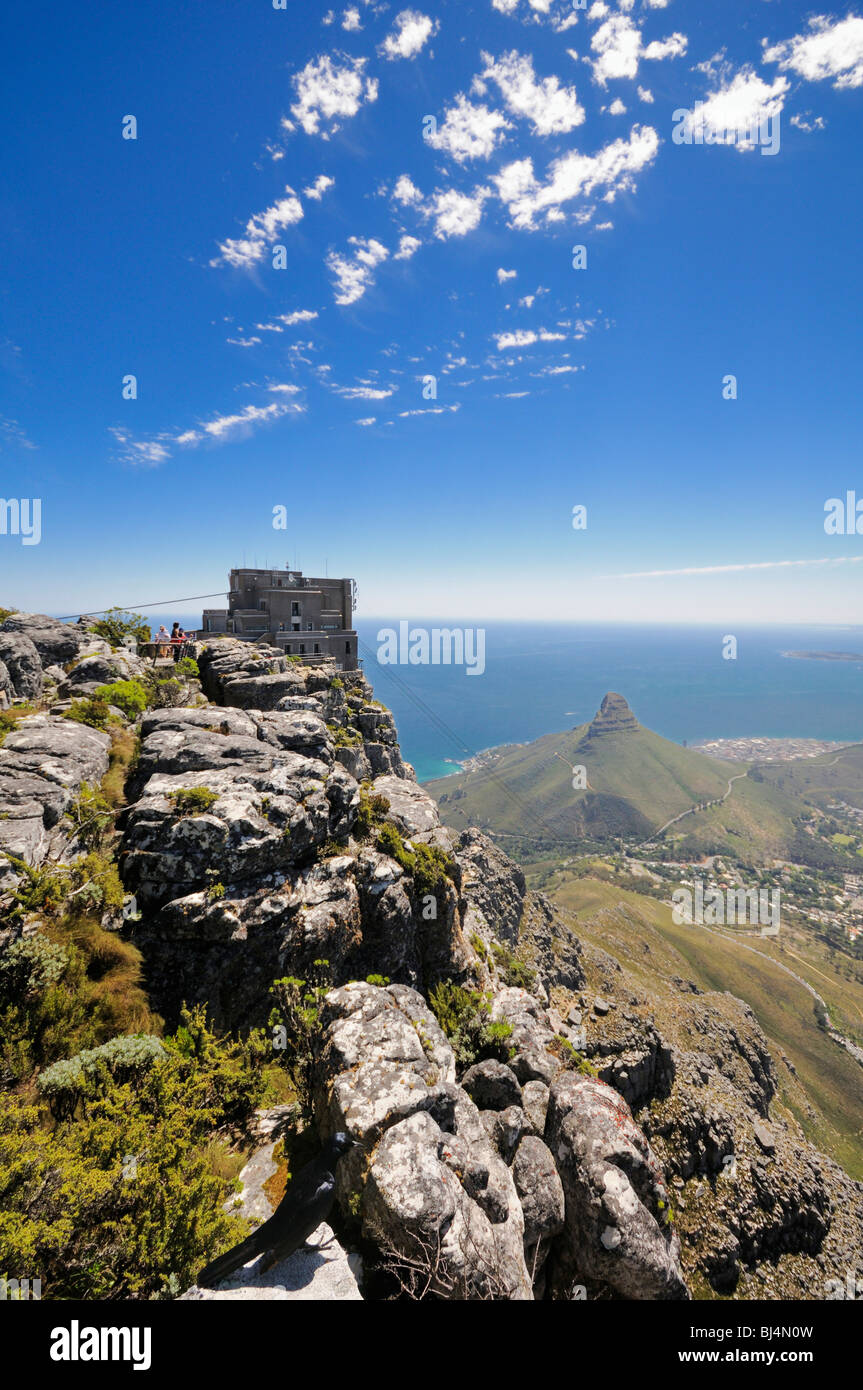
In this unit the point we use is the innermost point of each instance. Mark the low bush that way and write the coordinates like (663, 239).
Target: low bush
(193, 801)
(465, 1017)
(128, 696)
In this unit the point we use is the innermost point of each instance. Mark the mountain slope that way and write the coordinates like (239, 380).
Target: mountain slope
(636, 783)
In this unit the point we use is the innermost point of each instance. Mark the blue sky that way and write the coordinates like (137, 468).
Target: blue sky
(413, 251)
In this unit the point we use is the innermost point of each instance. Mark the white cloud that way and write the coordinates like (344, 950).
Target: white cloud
(645, 94)
(328, 90)
(408, 246)
(351, 20)
(807, 122)
(619, 47)
(369, 420)
(469, 131)
(504, 275)
(430, 410)
(730, 569)
(617, 108)
(147, 452)
(319, 187)
(574, 175)
(505, 6)
(229, 426)
(454, 213)
(406, 192)
(725, 116)
(354, 273)
(242, 342)
(219, 430)
(551, 108)
(10, 431)
(526, 337)
(412, 31)
(834, 49)
(365, 393)
(246, 251)
(672, 47)
(298, 316)
(284, 388)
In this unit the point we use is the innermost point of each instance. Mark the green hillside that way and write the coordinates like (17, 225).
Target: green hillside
(637, 782)
(825, 1092)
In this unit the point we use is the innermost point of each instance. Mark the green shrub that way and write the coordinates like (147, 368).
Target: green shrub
(193, 801)
(345, 738)
(428, 865)
(372, 810)
(513, 971)
(92, 711)
(129, 696)
(96, 885)
(465, 1017)
(92, 816)
(572, 1059)
(65, 988)
(9, 718)
(75, 1080)
(187, 666)
(118, 624)
(126, 1200)
(298, 1014)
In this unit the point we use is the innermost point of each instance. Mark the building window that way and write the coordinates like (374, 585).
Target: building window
(302, 648)
(288, 648)
(317, 648)
(310, 626)
(295, 610)
(347, 648)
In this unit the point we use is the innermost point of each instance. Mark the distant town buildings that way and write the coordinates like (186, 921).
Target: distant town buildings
(308, 618)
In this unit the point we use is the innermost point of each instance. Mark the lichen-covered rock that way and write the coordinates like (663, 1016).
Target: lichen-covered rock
(56, 642)
(534, 1096)
(92, 671)
(436, 1199)
(412, 810)
(492, 1085)
(43, 763)
(539, 1189)
(21, 659)
(618, 1229)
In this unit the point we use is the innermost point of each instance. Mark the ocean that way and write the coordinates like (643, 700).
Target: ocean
(541, 678)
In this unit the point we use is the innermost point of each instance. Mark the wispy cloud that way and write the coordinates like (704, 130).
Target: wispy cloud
(732, 569)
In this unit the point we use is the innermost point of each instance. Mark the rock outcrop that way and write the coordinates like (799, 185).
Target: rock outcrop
(43, 763)
(614, 717)
(585, 1136)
